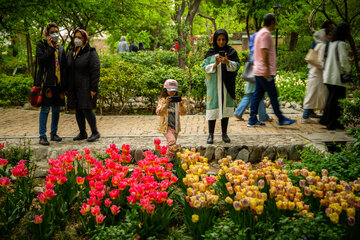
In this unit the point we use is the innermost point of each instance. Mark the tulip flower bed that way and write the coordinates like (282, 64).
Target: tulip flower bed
(110, 198)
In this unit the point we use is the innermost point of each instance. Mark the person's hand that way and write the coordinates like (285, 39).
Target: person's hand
(217, 60)
(267, 73)
(168, 100)
(92, 93)
(224, 60)
(49, 41)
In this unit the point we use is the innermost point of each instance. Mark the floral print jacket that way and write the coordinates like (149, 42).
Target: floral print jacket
(162, 111)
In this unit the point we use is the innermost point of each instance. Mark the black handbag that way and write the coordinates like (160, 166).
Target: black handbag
(344, 77)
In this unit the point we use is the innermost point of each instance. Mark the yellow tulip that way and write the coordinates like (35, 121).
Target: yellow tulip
(195, 218)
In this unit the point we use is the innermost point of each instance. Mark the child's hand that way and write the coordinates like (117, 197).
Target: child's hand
(168, 100)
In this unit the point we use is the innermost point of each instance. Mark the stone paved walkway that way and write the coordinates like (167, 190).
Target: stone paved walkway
(19, 126)
(19, 123)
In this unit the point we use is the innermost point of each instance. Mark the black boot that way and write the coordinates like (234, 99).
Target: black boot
(93, 137)
(210, 139)
(44, 141)
(55, 138)
(225, 138)
(80, 136)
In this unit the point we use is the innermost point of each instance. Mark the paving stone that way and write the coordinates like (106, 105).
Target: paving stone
(233, 151)
(269, 152)
(219, 153)
(256, 153)
(138, 155)
(244, 155)
(209, 154)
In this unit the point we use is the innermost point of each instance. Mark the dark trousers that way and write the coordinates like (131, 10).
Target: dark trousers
(333, 111)
(262, 86)
(89, 115)
(224, 125)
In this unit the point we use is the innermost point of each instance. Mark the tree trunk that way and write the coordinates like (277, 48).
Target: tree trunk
(30, 61)
(14, 43)
(247, 25)
(293, 41)
(356, 56)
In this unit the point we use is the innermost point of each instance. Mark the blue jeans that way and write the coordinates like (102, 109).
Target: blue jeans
(44, 112)
(307, 113)
(244, 104)
(262, 85)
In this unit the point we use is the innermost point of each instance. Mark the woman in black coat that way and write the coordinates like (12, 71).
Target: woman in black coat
(51, 76)
(83, 84)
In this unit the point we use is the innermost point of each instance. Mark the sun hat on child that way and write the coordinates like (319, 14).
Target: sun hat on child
(171, 85)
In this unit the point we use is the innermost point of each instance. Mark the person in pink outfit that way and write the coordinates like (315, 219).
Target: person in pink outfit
(169, 108)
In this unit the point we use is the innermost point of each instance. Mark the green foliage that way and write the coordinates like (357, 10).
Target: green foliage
(225, 229)
(17, 198)
(304, 228)
(344, 164)
(291, 86)
(126, 229)
(16, 153)
(351, 114)
(14, 90)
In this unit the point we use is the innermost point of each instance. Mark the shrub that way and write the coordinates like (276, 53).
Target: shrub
(351, 113)
(291, 86)
(14, 90)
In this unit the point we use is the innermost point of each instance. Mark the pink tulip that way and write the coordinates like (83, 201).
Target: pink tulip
(100, 218)
(87, 151)
(107, 202)
(114, 193)
(49, 194)
(170, 202)
(157, 141)
(41, 198)
(49, 186)
(3, 162)
(38, 219)
(4, 182)
(2, 145)
(80, 180)
(114, 209)
(95, 210)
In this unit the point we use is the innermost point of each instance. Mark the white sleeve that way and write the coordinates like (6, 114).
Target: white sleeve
(210, 68)
(231, 67)
(344, 58)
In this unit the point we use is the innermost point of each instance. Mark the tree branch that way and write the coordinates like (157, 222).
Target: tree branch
(338, 10)
(210, 18)
(352, 19)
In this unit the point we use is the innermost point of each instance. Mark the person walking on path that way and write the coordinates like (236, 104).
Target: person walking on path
(133, 47)
(122, 46)
(316, 92)
(169, 109)
(83, 84)
(221, 64)
(337, 62)
(51, 77)
(141, 46)
(265, 71)
(249, 92)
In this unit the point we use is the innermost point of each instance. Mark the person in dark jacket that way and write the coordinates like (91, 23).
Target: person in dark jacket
(83, 83)
(51, 76)
(141, 46)
(133, 47)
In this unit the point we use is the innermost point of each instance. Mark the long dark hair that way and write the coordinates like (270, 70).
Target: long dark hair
(341, 32)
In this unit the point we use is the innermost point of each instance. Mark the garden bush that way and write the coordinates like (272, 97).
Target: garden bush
(344, 164)
(291, 86)
(15, 90)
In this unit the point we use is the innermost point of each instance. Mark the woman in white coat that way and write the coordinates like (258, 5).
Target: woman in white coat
(316, 92)
(337, 62)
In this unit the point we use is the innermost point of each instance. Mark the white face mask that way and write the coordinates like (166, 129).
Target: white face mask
(55, 37)
(78, 42)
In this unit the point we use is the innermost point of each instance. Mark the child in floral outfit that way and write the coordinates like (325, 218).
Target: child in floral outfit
(169, 112)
